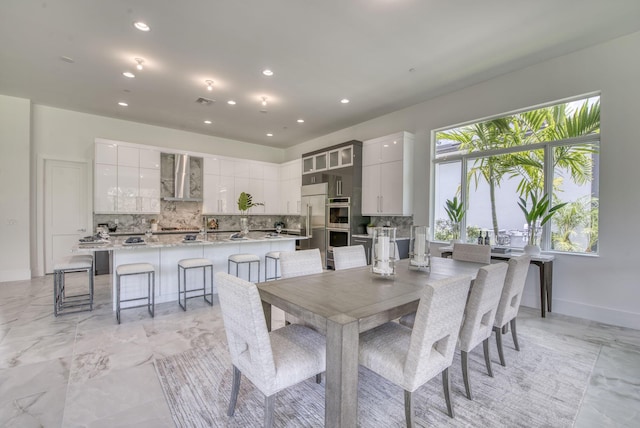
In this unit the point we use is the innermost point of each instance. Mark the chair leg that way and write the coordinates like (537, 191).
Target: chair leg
(269, 408)
(446, 386)
(465, 373)
(319, 378)
(498, 331)
(513, 334)
(408, 409)
(487, 356)
(235, 388)
(118, 298)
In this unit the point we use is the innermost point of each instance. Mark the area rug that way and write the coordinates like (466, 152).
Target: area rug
(542, 386)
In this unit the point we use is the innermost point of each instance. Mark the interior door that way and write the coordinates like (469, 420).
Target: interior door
(66, 211)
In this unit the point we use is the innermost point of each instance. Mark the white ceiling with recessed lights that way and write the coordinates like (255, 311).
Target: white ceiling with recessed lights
(334, 63)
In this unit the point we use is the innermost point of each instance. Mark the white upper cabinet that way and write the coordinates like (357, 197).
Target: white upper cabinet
(290, 186)
(387, 175)
(128, 156)
(106, 188)
(149, 159)
(106, 152)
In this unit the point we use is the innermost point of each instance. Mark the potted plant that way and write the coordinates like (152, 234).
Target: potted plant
(370, 227)
(455, 211)
(536, 216)
(245, 203)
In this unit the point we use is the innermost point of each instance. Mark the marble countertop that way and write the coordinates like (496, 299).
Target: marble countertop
(177, 240)
(398, 238)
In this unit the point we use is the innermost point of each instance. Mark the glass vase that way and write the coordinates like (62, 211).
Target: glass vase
(244, 225)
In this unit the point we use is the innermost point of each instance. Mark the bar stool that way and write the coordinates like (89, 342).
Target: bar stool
(137, 269)
(183, 266)
(61, 301)
(275, 256)
(243, 258)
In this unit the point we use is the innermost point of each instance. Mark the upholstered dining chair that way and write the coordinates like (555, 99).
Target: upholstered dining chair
(479, 316)
(510, 301)
(411, 357)
(299, 263)
(349, 257)
(272, 361)
(472, 253)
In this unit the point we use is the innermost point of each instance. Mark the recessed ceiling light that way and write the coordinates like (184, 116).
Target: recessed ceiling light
(209, 85)
(208, 122)
(67, 59)
(128, 74)
(300, 120)
(269, 134)
(267, 72)
(140, 61)
(344, 101)
(141, 26)
(231, 102)
(264, 101)
(123, 104)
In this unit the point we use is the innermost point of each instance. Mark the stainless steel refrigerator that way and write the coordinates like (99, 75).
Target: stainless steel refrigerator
(314, 213)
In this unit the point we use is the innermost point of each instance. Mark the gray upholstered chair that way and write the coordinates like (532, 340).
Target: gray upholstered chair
(272, 361)
(472, 253)
(510, 301)
(411, 357)
(480, 315)
(349, 257)
(299, 263)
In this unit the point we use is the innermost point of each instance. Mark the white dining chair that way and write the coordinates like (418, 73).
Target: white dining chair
(299, 263)
(479, 316)
(510, 301)
(472, 253)
(349, 257)
(272, 361)
(411, 357)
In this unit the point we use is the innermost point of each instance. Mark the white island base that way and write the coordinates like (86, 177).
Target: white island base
(165, 256)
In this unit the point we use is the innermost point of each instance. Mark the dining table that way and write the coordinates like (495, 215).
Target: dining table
(342, 304)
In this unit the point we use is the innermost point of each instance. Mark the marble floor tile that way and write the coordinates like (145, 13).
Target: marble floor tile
(34, 349)
(39, 409)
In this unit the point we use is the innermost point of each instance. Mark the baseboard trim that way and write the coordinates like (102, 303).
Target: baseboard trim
(589, 312)
(15, 275)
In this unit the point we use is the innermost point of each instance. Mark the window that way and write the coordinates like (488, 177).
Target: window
(545, 152)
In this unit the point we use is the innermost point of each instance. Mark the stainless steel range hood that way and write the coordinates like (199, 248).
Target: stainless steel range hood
(182, 180)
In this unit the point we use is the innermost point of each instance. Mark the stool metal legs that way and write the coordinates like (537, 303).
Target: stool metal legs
(240, 263)
(182, 294)
(61, 301)
(266, 268)
(150, 297)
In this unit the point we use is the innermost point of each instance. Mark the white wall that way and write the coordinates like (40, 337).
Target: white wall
(14, 191)
(604, 288)
(69, 135)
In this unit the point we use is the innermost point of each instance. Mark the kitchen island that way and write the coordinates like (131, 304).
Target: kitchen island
(164, 252)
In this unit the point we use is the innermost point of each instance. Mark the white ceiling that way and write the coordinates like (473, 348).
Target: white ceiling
(381, 54)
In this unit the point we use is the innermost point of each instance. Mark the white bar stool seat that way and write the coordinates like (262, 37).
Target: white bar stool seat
(183, 266)
(242, 258)
(62, 302)
(137, 269)
(275, 256)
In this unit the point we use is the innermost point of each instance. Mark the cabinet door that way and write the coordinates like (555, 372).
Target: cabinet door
(210, 194)
(242, 169)
(370, 154)
(211, 166)
(149, 190)
(149, 159)
(307, 165)
(320, 161)
(370, 189)
(128, 185)
(256, 190)
(346, 156)
(128, 156)
(226, 194)
(271, 172)
(227, 167)
(391, 188)
(296, 192)
(106, 153)
(271, 197)
(106, 188)
(392, 150)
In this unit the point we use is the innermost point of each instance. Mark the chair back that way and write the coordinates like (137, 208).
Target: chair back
(480, 312)
(349, 257)
(299, 263)
(512, 290)
(246, 329)
(472, 253)
(436, 328)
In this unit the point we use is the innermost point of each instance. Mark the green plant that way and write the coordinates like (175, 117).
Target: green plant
(245, 202)
(538, 215)
(455, 211)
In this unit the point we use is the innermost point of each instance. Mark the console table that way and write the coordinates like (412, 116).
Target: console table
(545, 267)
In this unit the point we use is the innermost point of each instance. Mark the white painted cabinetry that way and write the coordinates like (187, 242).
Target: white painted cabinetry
(290, 183)
(218, 186)
(386, 175)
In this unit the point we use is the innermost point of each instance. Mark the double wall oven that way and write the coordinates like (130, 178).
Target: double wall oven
(338, 225)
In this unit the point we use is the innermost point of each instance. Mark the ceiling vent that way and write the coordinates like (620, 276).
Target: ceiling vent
(205, 101)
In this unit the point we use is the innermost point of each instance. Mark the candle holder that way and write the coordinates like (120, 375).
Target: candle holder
(384, 251)
(419, 254)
